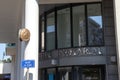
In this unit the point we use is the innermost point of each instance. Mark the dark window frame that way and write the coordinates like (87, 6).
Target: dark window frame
(55, 9)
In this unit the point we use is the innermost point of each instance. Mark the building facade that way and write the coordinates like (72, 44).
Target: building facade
(77, 41)
(69, 39)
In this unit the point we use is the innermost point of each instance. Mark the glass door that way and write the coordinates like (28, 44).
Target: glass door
(65, 73)
(51, 74)
(74, 73)
(91, 73)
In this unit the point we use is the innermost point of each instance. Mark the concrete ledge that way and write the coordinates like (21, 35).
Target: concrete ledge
(84, 60)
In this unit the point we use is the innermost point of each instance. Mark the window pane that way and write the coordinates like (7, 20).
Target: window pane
(42, 74)
(91, 74)
(65, 73)
(63, 28)
(42, 35)
(50, 35)
(79, 28)
(51, 74)
(95, 28)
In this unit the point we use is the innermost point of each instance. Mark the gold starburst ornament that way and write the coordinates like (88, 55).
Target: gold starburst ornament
(24, 34)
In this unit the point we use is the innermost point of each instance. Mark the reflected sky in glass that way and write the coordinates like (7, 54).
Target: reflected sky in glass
(51, 28)
(97, 19)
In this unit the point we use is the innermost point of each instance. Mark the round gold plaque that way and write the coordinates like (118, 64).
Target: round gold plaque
(24, 34)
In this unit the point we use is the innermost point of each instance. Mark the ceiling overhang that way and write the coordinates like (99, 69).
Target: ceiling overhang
(64, 1)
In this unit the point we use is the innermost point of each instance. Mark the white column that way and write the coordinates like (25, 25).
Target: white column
(117, 30)
(31, 47)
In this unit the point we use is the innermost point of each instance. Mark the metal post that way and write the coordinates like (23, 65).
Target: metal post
(27, 74)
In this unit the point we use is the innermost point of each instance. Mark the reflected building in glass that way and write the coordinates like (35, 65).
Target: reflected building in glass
(68, 39)
(76, 42)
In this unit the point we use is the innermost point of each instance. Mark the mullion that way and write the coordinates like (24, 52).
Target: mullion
(40, 34)
(70, 6)
(86, 22)
(56, 38)
(71, 25)
(45, 27)
(102, 23)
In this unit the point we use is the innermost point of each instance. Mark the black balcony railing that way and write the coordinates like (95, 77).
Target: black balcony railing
(71, 52)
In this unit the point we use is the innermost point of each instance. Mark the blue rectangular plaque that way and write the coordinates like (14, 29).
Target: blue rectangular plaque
(28, 63)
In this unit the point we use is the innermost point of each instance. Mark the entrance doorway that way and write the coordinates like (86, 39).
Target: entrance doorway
(74, 73)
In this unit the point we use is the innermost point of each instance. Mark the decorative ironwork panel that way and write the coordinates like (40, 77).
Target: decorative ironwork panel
(84, 51)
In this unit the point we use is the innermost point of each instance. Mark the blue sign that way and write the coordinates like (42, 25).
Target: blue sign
(28, 63)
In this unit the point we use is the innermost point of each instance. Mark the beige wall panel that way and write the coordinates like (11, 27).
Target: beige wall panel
(8, 37)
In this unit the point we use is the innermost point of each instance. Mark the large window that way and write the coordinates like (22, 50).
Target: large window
(95, 34)
(63, 28)
(79, 26)
(50, 32)
(75, 25)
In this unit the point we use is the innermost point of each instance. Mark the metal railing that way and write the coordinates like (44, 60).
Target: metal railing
(71, 52)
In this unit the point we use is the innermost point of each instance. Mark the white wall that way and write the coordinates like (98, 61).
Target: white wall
(117, 30)
(5, 68)
(28, 50)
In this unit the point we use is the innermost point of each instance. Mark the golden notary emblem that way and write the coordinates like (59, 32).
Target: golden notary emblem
(24, 34)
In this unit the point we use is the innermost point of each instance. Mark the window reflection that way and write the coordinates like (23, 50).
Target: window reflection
(95, 29)
(91, 74)
(50, 35)
(51, 74)
(85, 29)
(79, 27)
(63, 28)
(65, 73)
